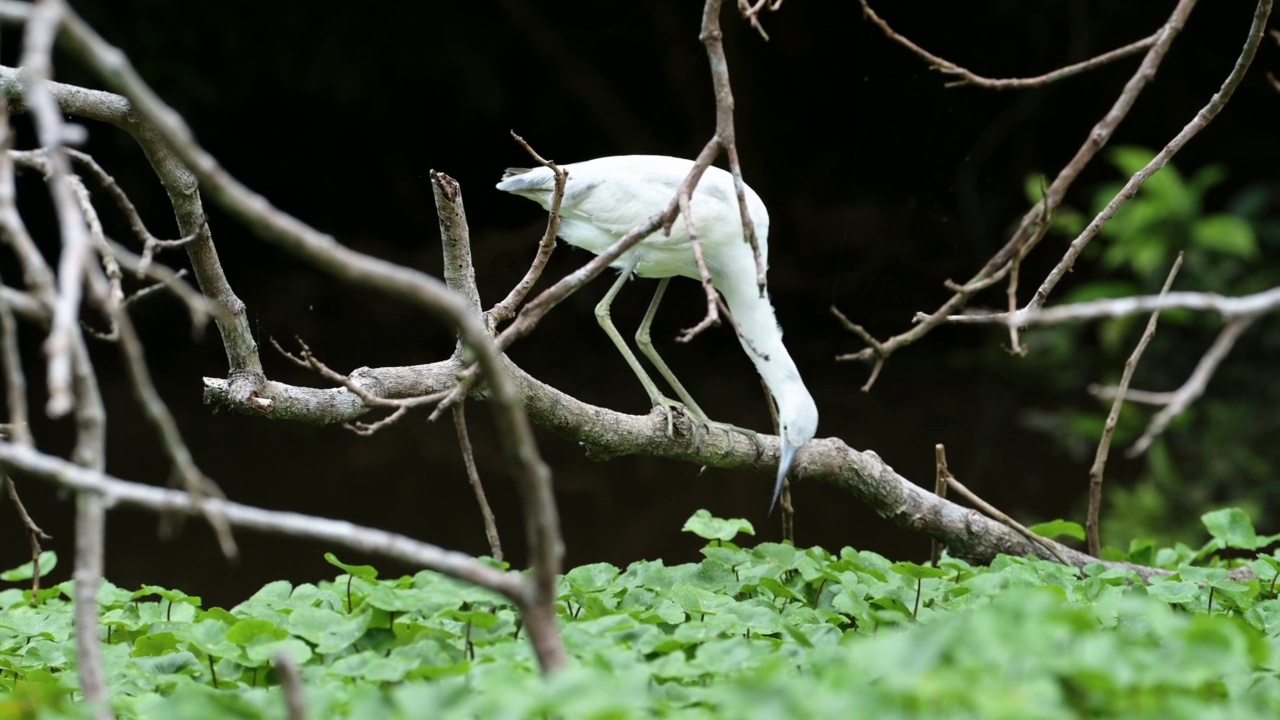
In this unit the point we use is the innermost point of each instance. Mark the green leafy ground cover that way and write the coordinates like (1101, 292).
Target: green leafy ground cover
(770, 631)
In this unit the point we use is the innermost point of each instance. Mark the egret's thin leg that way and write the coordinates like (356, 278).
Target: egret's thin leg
(645, 343)
(606, 323)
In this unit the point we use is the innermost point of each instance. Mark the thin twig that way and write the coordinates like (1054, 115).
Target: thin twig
(1260, 303)
(1190, 130)
(995, 514)
(1011, 298)
(150, 243)
(42, 162)
(970, 78)
(1092, 523)
(975, 286)
(504, 310)
(880, 352)
(751, 13)
(1141, 397)
(34, 533)
(338, 533)
(90, 452)
(713, 310)
(151, 290)
(1195, 385)
(1029, 229)
(199, 485)
(473, 475)
(725, 137)
(940, 489)
(52, 132)
(14, 379)
(199, 307)
(307, 360)
(788, 509)
(295, 700)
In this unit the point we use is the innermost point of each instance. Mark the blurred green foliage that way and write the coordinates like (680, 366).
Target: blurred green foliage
(770, 631)
(1220, 451)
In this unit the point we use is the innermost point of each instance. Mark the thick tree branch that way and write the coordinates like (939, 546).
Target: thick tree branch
(607, 434)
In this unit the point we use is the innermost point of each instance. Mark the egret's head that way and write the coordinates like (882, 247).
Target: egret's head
(798, 418)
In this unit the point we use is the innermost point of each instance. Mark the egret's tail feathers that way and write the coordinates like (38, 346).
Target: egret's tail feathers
(523, 180)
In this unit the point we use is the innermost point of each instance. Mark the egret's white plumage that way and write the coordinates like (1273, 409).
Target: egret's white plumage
(606, 198)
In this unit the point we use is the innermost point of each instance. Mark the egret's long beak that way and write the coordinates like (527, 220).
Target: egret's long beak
(784, 466)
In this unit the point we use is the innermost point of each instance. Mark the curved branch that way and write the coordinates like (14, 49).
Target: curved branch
(606, 434)
(183, 189)
(968, 77)
(337, 532)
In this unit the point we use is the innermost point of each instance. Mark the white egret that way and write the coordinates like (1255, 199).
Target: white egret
(607, 197)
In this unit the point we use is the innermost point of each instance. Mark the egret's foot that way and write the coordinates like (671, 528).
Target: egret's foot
(667, 405)
(702, 428)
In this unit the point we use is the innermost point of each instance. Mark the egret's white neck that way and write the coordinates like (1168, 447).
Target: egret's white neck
(761, 338)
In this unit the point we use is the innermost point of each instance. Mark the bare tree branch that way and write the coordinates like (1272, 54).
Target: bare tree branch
(607, 434)
(1030, 229)
(15, 381)
(751, 13)
(944, 472)
(455, 237)
(333, 532)
(295, 701)
(37, 50)
(1092, 526)
(323, 251)
(34, 533)
(1195, 385)
(183, 189)
(725, 135)
(1267, 301)
(506, 308)
(1193, 128)
(477, 487)
(969, 78)
(150, 243)
(90, 452)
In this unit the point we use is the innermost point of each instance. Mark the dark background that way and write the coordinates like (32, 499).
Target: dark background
(881, 184)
